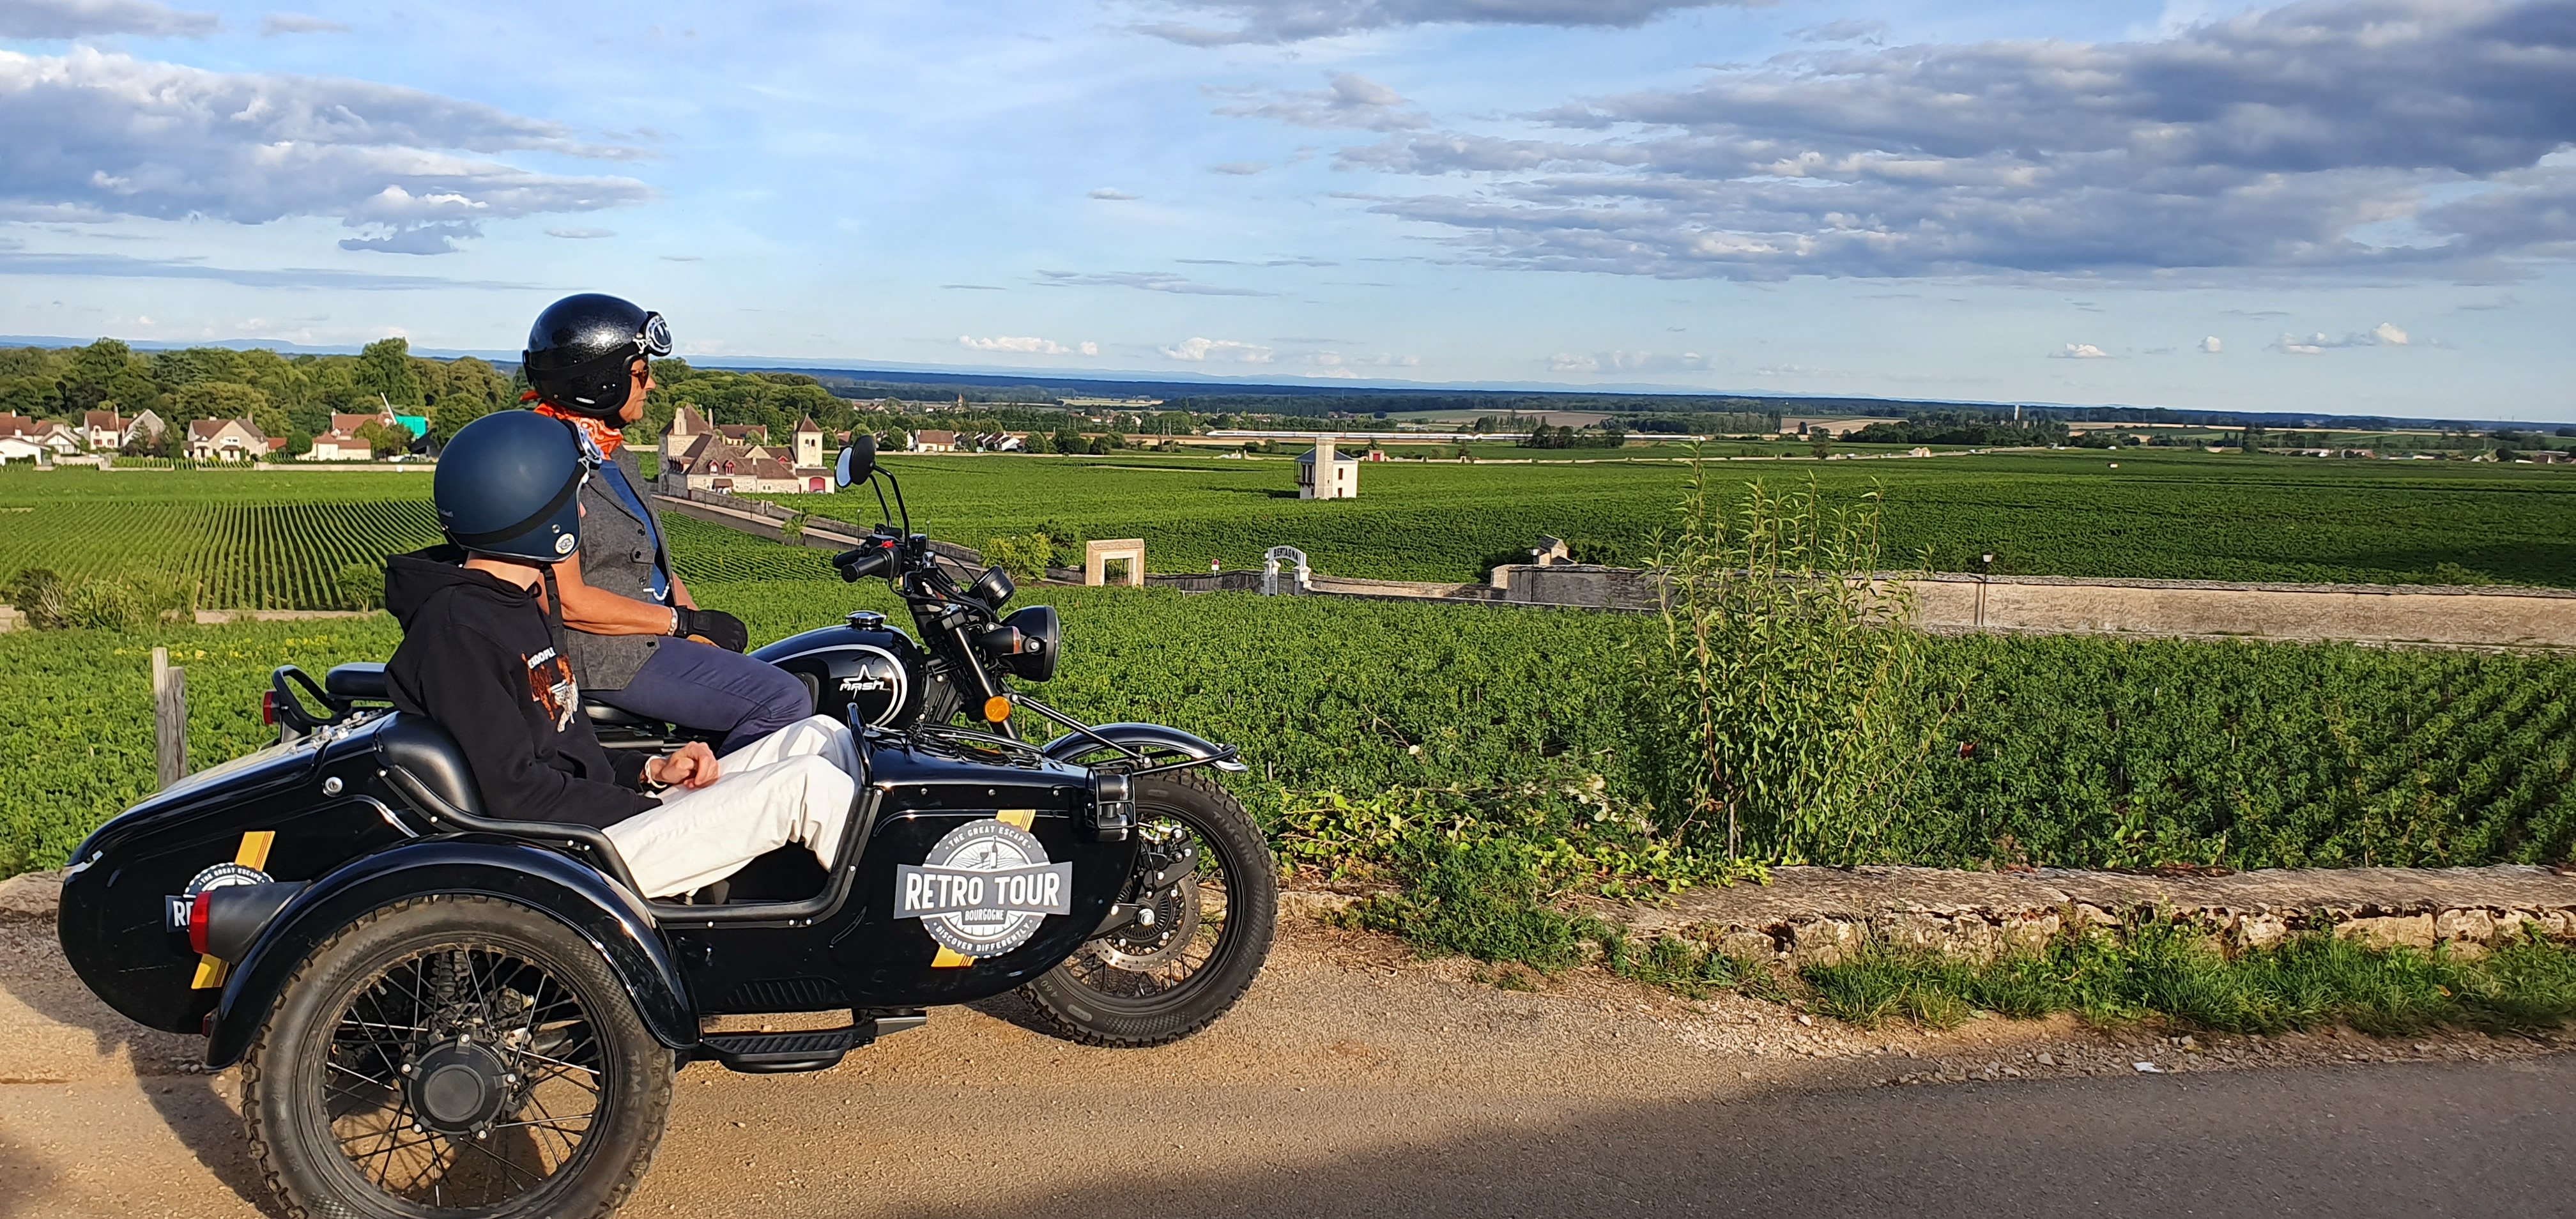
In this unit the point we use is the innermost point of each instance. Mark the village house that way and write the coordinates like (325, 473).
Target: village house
(229, 440)
(144, 427)
(342, 442)
(934, 440)
(735, 458)
(102, 430)
(59, 439)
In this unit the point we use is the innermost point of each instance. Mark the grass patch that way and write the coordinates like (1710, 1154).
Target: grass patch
(2171, 973)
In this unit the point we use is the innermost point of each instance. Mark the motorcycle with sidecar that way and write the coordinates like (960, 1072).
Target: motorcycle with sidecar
(442, 1008)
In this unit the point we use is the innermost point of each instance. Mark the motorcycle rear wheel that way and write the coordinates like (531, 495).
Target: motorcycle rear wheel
(1153, 985)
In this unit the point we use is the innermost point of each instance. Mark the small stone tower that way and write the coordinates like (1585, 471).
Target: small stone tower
(809, 444)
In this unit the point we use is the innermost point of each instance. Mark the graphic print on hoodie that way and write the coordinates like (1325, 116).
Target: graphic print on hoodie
(550, 683)
(478, 659)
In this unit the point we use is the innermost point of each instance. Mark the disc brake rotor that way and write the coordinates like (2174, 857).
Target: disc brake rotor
(1176, 923)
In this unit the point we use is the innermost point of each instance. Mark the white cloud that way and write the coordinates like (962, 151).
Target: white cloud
(1240, 169)
(2274, 143)
(1197, 350)
(88, 18)
(1341, 364)
(1350, 100)
(1872, 33)
(1020, 345)
(1628, 361)
(2211, 346)
(1090, 348)
(95, 135)
(275, 24)
(1275, 21)
(581, 234)
(1113, 194)
(2080, 351)
(2385, 334)
(1149, 281)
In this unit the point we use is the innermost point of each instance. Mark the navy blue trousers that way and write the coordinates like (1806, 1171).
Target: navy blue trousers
(702, 686)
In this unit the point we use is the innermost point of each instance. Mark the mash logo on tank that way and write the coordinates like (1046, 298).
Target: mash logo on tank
(984, 889)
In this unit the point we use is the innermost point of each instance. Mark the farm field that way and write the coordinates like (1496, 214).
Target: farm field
(278, 540)
(2069, 751)
(2155, 516)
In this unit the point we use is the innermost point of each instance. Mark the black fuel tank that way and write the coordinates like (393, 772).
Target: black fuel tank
(862, 663)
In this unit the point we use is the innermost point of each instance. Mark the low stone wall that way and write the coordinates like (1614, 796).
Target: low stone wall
(1812, 915)
(2361, 613)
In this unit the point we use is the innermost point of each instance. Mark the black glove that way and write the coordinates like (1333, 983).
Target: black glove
(712, 626)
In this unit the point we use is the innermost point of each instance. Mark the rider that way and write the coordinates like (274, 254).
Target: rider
(640, 642)
(481, 657)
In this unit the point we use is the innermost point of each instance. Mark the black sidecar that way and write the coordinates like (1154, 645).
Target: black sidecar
(437, 1010)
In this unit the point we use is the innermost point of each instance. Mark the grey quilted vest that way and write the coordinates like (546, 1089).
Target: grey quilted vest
(620, 552)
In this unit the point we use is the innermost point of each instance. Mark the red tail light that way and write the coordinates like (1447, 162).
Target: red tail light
(198, 910)
(268, 708)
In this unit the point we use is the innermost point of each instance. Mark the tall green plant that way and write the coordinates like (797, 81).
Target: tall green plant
(1790, 678)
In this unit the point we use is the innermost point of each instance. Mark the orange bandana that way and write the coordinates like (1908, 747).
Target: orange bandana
(606, 437)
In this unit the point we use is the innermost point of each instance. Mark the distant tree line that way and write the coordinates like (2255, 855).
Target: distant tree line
(283, 396)
(1974, 428)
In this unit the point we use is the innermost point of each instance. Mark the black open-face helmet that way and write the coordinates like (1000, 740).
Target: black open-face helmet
(509, 485)
(581, 353)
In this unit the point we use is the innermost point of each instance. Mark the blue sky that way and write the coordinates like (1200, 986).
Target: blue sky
(2352, 207)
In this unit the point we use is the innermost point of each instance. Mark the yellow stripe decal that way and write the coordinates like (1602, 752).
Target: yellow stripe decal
(253, 855)
(948, 959)
(254, 849)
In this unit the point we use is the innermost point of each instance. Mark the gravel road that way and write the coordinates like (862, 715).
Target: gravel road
(1356, 1081)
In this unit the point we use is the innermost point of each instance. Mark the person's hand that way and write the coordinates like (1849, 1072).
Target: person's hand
(714, 626)
(693, 767)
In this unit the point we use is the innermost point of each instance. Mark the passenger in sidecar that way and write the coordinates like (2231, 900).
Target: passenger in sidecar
(482, 658)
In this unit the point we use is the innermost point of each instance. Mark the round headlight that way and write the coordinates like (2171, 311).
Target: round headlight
(1042, 640)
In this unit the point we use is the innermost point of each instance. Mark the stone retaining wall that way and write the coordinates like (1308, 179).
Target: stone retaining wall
(1813, 915)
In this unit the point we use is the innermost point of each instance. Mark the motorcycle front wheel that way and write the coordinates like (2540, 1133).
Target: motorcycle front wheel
(1173, 972)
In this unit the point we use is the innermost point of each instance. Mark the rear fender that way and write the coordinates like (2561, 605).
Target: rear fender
(1135, 736)
(612, 919)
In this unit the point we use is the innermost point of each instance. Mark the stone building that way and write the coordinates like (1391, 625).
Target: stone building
(1323, 473)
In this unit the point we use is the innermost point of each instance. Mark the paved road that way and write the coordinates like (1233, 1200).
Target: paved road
(1356, 1083)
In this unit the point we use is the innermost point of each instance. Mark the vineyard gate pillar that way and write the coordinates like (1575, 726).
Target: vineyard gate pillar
(1270, 569)
(1097, 556)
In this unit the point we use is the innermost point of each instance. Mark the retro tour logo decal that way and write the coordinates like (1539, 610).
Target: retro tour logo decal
(244, 869)
(984, 888)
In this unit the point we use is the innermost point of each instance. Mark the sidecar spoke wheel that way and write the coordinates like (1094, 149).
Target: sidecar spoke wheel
(455, 1057)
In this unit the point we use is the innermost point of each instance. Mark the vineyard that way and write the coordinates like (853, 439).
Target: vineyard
(2156, 516)
(247, 541)
(2068, 751)
(258, 540)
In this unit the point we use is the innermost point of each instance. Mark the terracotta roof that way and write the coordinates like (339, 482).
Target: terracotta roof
(806, 424)
(101, 419)
(15, 424)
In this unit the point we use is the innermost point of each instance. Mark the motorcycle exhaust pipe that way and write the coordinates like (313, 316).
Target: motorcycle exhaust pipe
(223, 922)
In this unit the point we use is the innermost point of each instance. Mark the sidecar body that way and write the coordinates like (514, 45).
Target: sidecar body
(192, 911)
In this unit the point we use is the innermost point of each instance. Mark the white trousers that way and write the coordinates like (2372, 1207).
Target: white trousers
(793, 785)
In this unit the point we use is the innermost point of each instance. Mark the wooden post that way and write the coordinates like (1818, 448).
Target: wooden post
(169, 718)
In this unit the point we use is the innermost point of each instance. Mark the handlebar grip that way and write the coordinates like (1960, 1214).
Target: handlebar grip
(865, 561)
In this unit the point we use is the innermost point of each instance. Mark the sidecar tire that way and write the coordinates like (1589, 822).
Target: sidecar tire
(1078, 1013)
(285, 1105)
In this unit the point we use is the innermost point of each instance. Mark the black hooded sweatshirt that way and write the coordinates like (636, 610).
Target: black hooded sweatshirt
(478, 659)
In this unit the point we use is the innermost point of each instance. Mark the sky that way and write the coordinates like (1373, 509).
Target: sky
(2352, 207)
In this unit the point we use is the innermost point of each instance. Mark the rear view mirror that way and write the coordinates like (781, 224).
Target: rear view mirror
(858, 460)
